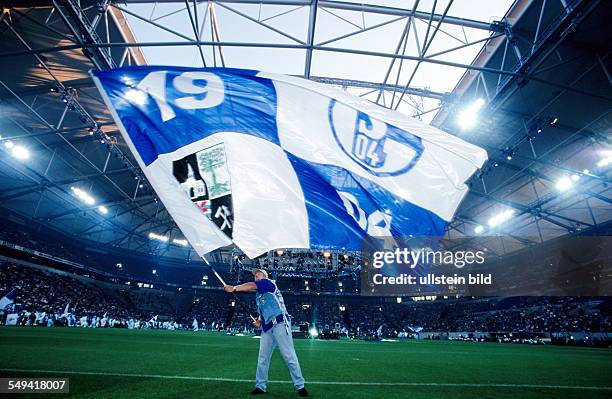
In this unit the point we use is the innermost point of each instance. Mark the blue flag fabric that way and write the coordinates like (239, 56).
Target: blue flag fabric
(271, 161)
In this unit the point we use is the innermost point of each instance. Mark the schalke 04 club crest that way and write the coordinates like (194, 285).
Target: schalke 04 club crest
(379, 148)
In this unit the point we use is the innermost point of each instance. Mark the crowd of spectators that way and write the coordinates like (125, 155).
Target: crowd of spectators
(48, 297)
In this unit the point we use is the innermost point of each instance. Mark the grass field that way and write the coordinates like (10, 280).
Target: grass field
(107, 363)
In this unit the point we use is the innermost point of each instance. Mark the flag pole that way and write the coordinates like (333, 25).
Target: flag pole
(238, 301)
(214, 271)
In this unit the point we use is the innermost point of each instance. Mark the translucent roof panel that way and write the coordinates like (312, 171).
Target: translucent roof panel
(371, 42)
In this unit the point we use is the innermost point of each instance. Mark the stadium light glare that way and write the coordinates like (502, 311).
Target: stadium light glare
(564, 184)
(136, 96)
(158, 237)
(103, 210)
(127, 80)
(313, 332)
(478, 229)
(154, 271)
(180, 242)
(469, 115)
(20, 152)
(83, 196)
(605, 160)
(500, 218)
(9, 144)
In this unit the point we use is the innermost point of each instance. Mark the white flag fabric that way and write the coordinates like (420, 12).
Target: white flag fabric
(8, 299)
(268, 161)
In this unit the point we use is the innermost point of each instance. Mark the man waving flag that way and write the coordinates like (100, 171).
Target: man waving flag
(270, 161)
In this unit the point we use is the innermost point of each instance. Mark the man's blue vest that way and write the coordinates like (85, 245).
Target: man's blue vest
(271, 307)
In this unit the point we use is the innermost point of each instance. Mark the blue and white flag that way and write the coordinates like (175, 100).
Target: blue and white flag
(270, 161)
(8, 299)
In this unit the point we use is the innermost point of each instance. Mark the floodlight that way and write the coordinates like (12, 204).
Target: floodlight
(20, 152)
(501, 218)
(478, 229)
(564, 184)
(103, 209)
(158, 237)
(469, 115)
(83, 196)
(180, 242)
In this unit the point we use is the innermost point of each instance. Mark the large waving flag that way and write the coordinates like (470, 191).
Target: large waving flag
(270, 161)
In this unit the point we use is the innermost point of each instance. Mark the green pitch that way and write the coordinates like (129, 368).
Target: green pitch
(107, 363)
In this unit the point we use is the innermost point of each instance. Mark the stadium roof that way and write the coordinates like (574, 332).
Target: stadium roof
(540, 68)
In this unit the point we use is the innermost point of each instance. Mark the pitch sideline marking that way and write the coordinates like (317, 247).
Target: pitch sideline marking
(399, 384)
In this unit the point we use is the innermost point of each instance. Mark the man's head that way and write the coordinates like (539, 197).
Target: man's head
(259, 274)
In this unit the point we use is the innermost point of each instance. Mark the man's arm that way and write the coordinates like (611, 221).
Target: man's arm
(246, 287)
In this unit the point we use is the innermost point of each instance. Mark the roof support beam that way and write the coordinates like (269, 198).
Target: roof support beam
(380, 86)
(82, 30)
(340, 5)
(312, 20)
(320, 48)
